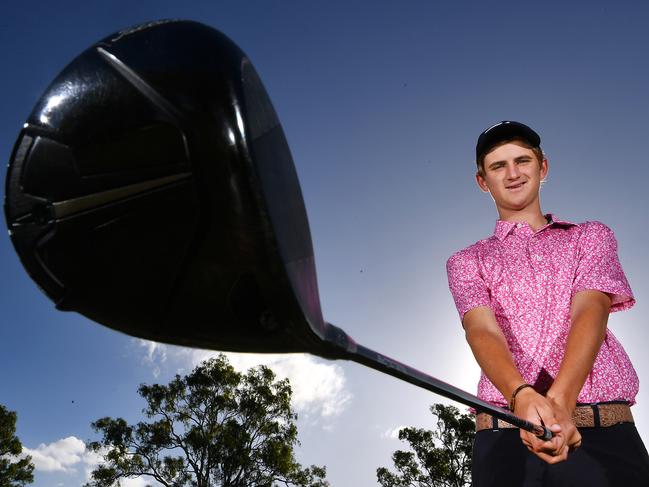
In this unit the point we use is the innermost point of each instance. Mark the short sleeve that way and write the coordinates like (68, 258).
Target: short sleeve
(465, 281)
(599, 268)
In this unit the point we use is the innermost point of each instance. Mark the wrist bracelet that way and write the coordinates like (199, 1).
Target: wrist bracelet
(512, 402)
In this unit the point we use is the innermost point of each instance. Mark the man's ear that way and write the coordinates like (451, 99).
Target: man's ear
(481, 182)
(544, 169)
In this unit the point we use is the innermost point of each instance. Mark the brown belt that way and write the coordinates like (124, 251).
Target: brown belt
(584, 416)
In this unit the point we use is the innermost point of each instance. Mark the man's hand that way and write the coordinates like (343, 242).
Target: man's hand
(536, 408)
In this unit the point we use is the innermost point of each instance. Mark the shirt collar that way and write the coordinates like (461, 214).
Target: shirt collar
(504, 228)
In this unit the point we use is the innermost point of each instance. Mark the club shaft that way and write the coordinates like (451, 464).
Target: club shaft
(382, 363)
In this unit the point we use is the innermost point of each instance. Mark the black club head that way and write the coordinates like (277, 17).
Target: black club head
(152, 190)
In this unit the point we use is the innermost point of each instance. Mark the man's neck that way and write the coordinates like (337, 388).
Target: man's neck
(535, 219)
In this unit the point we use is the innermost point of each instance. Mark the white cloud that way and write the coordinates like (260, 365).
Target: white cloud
(91, 460)
(139, 482)
(392, 433)
(59, 456)
(156, 354)
(68, 454)
(319, 387)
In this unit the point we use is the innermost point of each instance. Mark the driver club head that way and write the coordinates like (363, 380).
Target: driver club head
(153, 191)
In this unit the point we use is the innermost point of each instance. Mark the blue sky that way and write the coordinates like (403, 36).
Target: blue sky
(381, 103)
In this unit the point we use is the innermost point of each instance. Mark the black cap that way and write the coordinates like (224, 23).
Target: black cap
(505, 130)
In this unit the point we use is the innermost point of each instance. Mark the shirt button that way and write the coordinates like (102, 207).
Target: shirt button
(519, 225)
(538, 257)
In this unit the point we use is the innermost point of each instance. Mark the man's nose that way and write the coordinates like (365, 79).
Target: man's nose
(513, 171)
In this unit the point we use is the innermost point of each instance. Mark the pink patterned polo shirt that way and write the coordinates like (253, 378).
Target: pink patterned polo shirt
(528, 279)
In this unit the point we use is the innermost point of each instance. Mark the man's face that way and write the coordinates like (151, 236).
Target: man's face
(513, 175)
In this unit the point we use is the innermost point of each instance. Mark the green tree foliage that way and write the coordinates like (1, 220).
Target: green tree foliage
(439, 458)
(212, 427)
(14, 471)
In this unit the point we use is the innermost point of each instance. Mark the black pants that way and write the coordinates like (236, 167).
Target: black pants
(609, 457)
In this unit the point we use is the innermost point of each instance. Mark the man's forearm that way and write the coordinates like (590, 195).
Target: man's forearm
(589, 317)
(492, 353)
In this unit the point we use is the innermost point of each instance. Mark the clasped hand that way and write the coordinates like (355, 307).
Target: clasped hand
(536, 408)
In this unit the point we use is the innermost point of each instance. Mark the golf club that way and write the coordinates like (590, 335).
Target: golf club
(153, 191)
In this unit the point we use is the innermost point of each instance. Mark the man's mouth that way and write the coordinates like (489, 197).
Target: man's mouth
(516, 186)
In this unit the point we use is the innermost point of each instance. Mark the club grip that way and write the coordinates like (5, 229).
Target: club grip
(543, 433)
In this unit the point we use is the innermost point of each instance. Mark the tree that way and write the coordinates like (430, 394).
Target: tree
(438, 458)
(213, 427)
(14, 471)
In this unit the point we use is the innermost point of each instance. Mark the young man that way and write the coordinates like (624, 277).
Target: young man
(534, 300)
